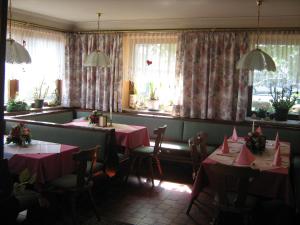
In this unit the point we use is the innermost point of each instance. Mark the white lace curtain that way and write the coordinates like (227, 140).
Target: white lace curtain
(151, 58)
(284, 48)
(47, 51)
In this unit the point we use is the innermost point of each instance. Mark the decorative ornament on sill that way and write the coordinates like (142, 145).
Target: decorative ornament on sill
(19, 135)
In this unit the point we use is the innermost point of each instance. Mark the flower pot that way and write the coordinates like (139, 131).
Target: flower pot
(38, 103)
(281, 114)
(153, 105)
(132, 101)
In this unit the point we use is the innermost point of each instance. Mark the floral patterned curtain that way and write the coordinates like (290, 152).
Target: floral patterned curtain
(212, 87)
(89, 87)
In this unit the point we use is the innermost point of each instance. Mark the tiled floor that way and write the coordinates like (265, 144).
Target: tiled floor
(139, 203)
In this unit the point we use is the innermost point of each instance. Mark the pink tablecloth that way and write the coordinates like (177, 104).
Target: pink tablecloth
(47, 166)
(272, 183)
(127, 136)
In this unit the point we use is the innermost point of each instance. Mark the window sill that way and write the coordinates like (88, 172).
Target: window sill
(33, 110)
(287, 124)
(146, 112)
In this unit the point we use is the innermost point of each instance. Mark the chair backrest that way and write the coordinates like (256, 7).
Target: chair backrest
(159, 132)
(231, 179)
(198, 151)
(81, 158)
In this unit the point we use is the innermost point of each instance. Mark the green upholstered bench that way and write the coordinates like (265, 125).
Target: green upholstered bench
(81, 137)
(177, 151)
(59, 116)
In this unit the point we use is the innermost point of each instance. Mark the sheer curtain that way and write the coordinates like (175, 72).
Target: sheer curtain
(284, 48)
(47, 51)
(150, 60)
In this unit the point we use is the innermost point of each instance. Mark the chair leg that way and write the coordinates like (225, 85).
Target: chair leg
(73, 208)
(159, 167)
(189, 207)
(93, 204)
(139, 166)
(132, 160)
(151, 170)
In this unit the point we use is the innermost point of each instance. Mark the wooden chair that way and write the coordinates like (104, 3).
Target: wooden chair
(230, 184)
(198, 151)
(148, 153)
(81, 181)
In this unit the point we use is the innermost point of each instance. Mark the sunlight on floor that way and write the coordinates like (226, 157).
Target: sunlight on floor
(171, 186)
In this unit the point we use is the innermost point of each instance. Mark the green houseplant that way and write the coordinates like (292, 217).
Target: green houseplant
(40, 94)
(14, 105)
(282, 101)
(153, 103)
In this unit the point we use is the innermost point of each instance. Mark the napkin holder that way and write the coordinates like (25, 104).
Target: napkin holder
(102, 121)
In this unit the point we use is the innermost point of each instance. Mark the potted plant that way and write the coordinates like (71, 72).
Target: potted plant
(40, 94)
(14, 105)
(282, 101)
(153, 103)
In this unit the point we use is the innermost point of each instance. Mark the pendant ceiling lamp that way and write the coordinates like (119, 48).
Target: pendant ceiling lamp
(97, 58)
(15, 52)
(256, 59)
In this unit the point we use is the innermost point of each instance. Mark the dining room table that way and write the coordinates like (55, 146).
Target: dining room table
(127, 136)
(273, 181)
(47, 160)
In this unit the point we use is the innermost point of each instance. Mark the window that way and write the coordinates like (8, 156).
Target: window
(47, 51)
(285, 50)
(152, 60)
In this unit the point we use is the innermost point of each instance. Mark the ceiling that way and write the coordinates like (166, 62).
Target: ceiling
(156, 14)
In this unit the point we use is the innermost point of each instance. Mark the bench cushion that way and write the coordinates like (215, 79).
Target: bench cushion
(177, 151)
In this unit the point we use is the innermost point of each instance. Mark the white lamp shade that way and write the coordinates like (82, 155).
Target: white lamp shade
(97, 58)
(256, 60)
(16, 53)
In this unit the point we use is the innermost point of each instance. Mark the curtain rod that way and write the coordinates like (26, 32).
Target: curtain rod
(18, 22)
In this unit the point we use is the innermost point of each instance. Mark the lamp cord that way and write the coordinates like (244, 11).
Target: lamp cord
(258, 3)
(99, 14)
(10, 18)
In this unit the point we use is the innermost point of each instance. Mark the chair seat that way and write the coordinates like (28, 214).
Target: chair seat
(97, 167)
(27, 198)
(143, 150)
(68, 181)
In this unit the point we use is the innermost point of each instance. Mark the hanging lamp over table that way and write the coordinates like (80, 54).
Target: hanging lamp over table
(256, 59)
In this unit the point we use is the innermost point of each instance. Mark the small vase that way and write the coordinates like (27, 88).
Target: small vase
(153, 105)
(38, 103)
(281, 114)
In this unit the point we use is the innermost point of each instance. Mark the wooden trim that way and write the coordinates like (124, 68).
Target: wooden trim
(49, 124)
(3, 25)
(249, 106)
(13, 88)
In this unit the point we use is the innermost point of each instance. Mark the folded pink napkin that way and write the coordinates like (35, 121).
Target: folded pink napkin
(277, 158)
(234, 136)
(277, 142)
(245, 157)
(259, 130)
(225, 148)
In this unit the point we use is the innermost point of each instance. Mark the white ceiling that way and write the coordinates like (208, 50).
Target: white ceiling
(156, 14)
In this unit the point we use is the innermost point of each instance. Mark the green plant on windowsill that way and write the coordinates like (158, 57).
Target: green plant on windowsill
(282, 102)
(152, 92)
(40, 94)
(14, 105)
